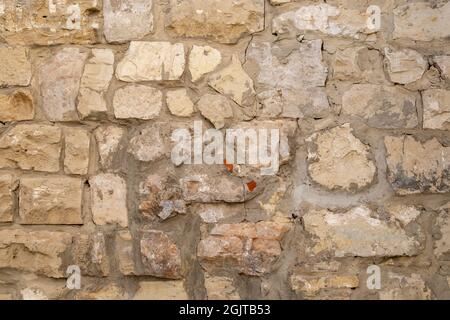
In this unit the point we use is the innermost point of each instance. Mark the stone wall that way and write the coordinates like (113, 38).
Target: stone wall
(90, 92)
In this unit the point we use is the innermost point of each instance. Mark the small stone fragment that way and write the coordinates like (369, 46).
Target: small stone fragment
(16, 67)
(108, 139)
(6, 198)
(404, 66)
(161, 290)
(17, 106)
(436, 109)
(216, 108)
(77, 148)
(203, 60)
(179, 103)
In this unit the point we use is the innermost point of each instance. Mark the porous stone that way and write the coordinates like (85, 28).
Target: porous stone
(404, 66)
(420, 21)
(443, 64)
(34, 251)
(109, 200)
(339, 160)
(160, 255)
(95, 81)
(126, 20)
(31, 147)
(137, 101)
(323, 18)
(216, 108)
(148, 144)
(89, 253)
(387, 107)
(77, 147)
(234, 82)
(108, 139)
(50, 200)
(290, 85)
(436, 109)
(6, 198)
(203, 60)
(152, 61)
(110, 291)
(16, 66)
(223, 21)
(161, 290)
(17, 106)
(179, 103)
(248, 248)
(359, 232)
(417, 167)
(204, 189)
(50, 22)
(220, 288)
(59, 81)
(214, 213)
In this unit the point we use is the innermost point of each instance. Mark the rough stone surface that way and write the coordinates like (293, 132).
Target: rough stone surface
(203, 60)
(203, 188)
(382, 106)
(16, 66)
(160, 255)
(59, 80)
(443, 64)
(442, 239)
(249, 248)
(215, 108)
(412, 21)
(49, 23)
(158, 290)
(109, 200)
(17, 106)
(416, 167)
(6, 198)
(220, 288)
(50, 200)
(77, 147)
(179, 103)
(404, 66)
(137, 101)
(147, 145)
(436, 109)
(311, 285)
(290, 85)
(31, 147)
(336, 152)
(108, 140)
(235, 83)
(225, 22)
(95, 81)
(34, 251)
(124, 247)
(358, 232)
(167, 62)
(323, 18)
(89, 253)
(404, 287)
(126, 20)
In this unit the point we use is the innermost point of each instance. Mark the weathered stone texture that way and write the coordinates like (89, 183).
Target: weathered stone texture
(416, 167)
(336, 152)
(31, 147)
(50, 200)
(77, 148)
(291, 85)
(16, 66)
(59, 80)
(382, 106)
(109, 200)
(16, 106)
(137, 101)
(404, 66)
(421, 22)
(158, 290)
(223, 21)
(34, 251)
(126, 20)
(6, 198)
(358, 232)
(436, 109)
(152, 61)
(203, 60)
